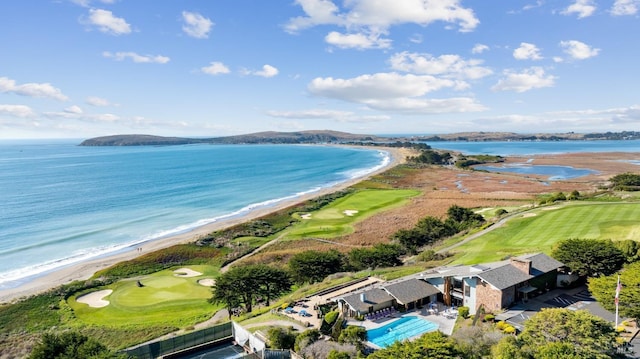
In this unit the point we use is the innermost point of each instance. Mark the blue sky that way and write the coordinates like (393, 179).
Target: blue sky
(84, 68)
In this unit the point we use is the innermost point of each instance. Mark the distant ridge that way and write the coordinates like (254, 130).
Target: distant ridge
(328, 136)
(314, 136)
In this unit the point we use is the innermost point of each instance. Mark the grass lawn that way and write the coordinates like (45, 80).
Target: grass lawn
(338, 217)
(540, 229)
(164, 299)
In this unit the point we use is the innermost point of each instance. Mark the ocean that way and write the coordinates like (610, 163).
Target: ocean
(61, 203)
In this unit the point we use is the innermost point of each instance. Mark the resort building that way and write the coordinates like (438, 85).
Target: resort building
(493, 286)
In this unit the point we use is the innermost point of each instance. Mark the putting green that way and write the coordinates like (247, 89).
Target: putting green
(163, 299)
(541, 229)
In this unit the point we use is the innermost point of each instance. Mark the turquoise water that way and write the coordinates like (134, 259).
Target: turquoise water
(62, 204)
(400, 329)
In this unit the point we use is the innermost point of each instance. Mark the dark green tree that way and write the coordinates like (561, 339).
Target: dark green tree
(71, 345)
(561, 333)
(463, 218)
(603, 290)
(313, 266)
(589, 257)
(242, 285)
(625, 182)
(380, 255)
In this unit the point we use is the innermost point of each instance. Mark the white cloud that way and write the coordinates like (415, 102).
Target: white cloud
(74, 109)
(141, 59)
(87, 3)
(196, 25)
(584, 8)
(97, 101)
(267, 71)
(359, 41)
(376, 17)
(393, 92)
(526, 80)
(613, 119)
(479, 48)
(625, 7)
(452, 66)
(578, 50)
(321, 114)
(527, 51)
(107, 23)
(41, 90)
(21, 111)
(215, 68)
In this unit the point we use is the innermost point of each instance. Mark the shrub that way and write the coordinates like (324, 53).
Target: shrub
(501, 325)
(463, 312)
(489, 318)
(509, 329)
(331, 317)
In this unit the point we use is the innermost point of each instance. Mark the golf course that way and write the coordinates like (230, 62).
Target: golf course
(539, 229)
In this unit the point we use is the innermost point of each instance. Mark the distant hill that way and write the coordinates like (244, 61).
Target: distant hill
(315, 136)
(327, 136)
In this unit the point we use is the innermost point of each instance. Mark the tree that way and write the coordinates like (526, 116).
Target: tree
(306, 338)
(313, 266)
(334, 354)
(464, 217)
(353, 334)
(280, 338)
(561, 333)
(71, 345)
(625, 182)
(589, 257)
(477, 341)
(433, 345)
(381, 255)
(603, 290)
(629, 249)
(242, 285)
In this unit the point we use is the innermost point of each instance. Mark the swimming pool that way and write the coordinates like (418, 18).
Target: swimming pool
(398, 330)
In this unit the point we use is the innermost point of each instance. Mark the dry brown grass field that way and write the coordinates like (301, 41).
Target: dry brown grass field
(444, 187)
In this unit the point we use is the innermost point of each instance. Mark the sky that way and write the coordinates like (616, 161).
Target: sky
(204, 68)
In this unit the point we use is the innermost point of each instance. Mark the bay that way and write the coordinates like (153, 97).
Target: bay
(62, 204)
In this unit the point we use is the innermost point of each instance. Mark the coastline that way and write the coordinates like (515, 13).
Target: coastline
(86, 269)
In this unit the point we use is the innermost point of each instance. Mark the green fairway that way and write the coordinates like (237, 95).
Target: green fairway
(540, 229)
(338, 217)
(164, 299)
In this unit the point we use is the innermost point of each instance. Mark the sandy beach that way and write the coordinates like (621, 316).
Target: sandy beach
(86, 269)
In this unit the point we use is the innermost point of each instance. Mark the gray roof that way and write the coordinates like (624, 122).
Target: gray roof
(410, 290)
(372, 297)
(499, 274)
(504, 277)
(542, 263)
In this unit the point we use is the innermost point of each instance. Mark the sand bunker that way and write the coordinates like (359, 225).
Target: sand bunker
(305, 216)
(186, 272)
(529, 215)
(349, 212)
(95, 299)
(207, 282)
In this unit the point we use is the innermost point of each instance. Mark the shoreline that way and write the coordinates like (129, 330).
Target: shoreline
(86, 269)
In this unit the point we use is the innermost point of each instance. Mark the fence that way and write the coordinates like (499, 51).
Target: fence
(182, 342)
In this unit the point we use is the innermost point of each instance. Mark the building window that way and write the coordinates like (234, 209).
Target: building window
(467, 291)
